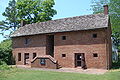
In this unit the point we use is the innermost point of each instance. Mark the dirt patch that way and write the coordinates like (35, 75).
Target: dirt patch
(72, 70)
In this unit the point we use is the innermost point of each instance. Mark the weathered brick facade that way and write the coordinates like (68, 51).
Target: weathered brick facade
(76, 42)
(81, 41)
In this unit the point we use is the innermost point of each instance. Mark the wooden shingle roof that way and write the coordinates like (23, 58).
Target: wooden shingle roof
(85, 22)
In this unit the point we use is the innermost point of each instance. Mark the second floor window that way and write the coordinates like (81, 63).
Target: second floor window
(94, 35)
(26, 40)
(63, 37)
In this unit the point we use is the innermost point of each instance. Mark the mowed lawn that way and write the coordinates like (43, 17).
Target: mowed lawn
(22, 74)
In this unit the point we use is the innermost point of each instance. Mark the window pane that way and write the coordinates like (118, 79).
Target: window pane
(95, 55)
(63, 55)
(94, 35)
(63, 37)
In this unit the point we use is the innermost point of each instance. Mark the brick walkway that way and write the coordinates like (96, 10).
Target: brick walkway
(72, 70)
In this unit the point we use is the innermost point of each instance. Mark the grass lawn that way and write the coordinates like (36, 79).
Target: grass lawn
(22, 74)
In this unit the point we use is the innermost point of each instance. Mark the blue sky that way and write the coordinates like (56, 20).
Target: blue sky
(65, 8)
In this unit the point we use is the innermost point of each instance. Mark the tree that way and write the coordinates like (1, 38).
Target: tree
(114, 12)
(31, 11)
(34, 11)
(6, 51)
(97, 5)
(10, 23)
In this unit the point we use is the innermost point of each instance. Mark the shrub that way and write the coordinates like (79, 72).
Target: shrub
(4, 66)
(6, 51)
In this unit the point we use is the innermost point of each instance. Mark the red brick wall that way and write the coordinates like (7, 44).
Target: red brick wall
(36, 45)
(48, 64)
(76, 42)
(81, 42)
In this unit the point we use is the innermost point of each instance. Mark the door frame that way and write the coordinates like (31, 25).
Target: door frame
(26, 58)
(83, 65)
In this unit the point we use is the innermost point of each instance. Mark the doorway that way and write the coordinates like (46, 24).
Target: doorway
(26, 58)
(80, 60)
(50, 45)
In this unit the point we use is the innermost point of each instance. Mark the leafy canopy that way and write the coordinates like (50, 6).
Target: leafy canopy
(10, 23)
(35, 10)
(114, 13)
(31, 11)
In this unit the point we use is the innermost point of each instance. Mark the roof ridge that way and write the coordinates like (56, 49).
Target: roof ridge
(66, 18)
(85, 22)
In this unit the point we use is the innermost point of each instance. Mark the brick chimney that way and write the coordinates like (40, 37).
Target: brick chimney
(105, 9)
(23, 23)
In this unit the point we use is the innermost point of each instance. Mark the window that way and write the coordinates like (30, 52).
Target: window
(19, 56)
(34, 55)
(63, 55)
(95, 55)
(63, 37)
(94, 35)
(27, 40)
(42, 61)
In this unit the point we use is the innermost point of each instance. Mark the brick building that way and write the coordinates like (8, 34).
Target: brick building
(81, 41)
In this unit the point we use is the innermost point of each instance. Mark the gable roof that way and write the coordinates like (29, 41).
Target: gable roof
(85, 22)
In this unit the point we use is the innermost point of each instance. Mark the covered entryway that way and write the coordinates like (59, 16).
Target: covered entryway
(80, 60)
(26, 58)
(50, 45)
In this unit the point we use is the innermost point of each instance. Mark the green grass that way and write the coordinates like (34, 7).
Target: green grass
(22, 74)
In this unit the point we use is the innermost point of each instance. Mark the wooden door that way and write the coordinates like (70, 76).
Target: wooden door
(79, 60)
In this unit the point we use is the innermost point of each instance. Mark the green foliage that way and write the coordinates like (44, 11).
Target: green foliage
(10, 23)
(115, 19)
(4, 66)
(6, 51)
(35, 10)
(114, 12)
(31, 11)
(116, 38)
(116, 64)
(97, 5)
